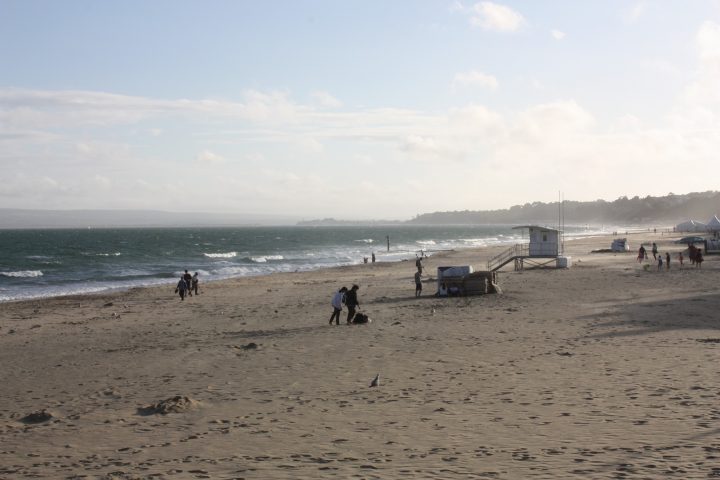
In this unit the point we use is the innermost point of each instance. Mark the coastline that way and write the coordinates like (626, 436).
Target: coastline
(588, 371)
(101, 261)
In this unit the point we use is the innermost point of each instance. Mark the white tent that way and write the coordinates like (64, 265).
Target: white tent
(713, 224)
(691, 226)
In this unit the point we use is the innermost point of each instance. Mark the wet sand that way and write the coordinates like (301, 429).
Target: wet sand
(603, 370)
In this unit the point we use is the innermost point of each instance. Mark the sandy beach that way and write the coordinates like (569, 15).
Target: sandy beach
(603, 370)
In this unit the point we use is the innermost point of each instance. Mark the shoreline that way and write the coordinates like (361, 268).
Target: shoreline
(586, 371)
(102, 291)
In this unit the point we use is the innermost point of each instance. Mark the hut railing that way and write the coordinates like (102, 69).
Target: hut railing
(499, 260)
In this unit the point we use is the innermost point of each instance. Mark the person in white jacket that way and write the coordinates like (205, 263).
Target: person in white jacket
(337, 303)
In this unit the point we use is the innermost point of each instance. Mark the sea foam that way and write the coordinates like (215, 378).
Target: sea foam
(221, 255)
(23, 274)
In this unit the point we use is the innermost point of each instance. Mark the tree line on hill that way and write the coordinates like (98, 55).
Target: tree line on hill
(670, 208)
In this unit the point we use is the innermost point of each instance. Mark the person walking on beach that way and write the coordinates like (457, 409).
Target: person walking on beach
(698, 258)
(194, 284)
(667, 260)
(680, 259)
(181, 287)
(188, 281)
(660, 262)
(351, 302)
(641, 254)
(337, 303)
(418, 284)
(654, 250)
(373, 257)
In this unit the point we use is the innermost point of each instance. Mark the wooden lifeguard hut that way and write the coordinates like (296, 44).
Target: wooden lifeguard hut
(543, 249)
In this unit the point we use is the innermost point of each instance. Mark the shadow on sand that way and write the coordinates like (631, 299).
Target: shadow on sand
(697, 312)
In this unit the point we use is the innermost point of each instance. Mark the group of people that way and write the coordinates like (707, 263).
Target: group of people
(695, 254)
(349, 299)
(187, 285)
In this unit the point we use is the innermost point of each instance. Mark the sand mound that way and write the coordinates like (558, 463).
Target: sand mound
(37, 417)
(176, 404)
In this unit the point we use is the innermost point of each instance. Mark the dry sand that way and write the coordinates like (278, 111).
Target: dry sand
(603, 370)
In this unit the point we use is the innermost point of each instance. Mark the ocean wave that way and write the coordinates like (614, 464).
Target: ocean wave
(221, 255)
(426, 242)
(90, 254)
(266, 258)
(365, 240)
(23, 274)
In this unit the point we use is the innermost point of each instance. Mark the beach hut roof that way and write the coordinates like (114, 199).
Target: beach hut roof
(714, 223)
(539, 227)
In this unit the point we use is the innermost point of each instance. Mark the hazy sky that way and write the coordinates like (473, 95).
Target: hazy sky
(354, 108)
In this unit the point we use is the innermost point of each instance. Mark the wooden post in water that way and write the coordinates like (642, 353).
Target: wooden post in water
(388, 242)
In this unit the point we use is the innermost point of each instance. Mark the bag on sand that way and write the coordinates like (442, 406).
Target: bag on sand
(361, 318)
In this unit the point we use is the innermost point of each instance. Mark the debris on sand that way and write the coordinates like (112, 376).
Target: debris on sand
(176, 404)
(250, 346)
(37, 417)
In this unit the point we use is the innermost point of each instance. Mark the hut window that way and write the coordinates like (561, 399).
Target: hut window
(544, 237)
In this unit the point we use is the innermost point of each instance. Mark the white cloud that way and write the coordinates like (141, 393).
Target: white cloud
(703, 93)
(557, 34)
(633, 13)
(496, 17)
(102, 182)
(324, 99)
(310, 145)
(207, 156)
(474, 79)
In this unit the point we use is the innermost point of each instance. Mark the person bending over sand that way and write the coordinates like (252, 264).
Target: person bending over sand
(351, 302)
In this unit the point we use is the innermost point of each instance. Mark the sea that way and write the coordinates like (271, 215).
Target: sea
(55, 262)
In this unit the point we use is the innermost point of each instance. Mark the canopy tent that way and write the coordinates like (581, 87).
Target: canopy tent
(713, 224)
(691, 226)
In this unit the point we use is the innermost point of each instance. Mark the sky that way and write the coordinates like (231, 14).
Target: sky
(354, 109)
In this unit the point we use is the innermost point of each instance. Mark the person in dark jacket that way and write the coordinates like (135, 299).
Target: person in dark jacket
(181, 288)
(188, 281)
(351, 302)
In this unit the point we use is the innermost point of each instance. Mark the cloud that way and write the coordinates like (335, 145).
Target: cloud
(633, 13)
(311, 145)
(496, 17)
(324, 99)
(703, 92)
(102, 182)
(474, 79)
(207, 156)
(557, 34)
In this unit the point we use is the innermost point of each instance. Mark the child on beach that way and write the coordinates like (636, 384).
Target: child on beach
(418, 284)
(337, 303)
(667, 260)
(680, 259)
(660, 262)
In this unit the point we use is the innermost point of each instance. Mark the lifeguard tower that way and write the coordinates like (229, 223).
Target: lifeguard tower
(543, 249)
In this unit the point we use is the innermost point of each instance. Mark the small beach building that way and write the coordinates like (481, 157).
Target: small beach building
(544, 241)
(544, 248)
